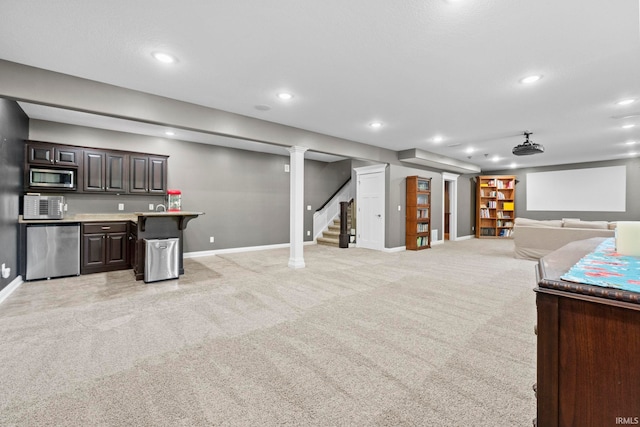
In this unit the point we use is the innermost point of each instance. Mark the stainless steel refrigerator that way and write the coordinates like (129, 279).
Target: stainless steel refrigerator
(53, 250)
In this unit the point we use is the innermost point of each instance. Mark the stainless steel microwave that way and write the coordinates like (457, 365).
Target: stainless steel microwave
(52, 178)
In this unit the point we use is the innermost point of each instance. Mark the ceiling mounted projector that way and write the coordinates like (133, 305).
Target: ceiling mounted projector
(527, 147)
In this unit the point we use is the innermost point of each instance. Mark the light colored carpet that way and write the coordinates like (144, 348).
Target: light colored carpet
(440, 337)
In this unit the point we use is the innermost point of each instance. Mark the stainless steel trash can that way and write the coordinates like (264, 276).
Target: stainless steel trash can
(161, 259)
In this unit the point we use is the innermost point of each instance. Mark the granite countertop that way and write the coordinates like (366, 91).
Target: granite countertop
(133, 217)
(169, 213)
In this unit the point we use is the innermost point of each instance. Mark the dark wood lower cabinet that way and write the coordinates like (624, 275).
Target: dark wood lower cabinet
(105, 247)
(588, 347)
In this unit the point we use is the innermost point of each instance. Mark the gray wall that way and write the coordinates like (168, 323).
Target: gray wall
(466, 205)
(632, 202)
(14, 127)
(244, 194)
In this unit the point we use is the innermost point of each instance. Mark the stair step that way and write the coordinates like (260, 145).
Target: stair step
(328, 242)
(332, 234)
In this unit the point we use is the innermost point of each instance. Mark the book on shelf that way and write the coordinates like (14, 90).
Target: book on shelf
(507, 206)
(422, 227)
(423, 186)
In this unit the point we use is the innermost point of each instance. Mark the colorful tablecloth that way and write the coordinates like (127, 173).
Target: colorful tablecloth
(605, 267)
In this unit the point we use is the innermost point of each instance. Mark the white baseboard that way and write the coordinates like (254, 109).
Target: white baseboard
(471, 236)
(437, 242)
(8, 290)
(239, 250)
(396, 249)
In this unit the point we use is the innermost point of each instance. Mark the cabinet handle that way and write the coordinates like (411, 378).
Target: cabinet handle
(106, 227)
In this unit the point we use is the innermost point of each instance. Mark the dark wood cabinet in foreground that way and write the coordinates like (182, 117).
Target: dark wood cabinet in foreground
(105, 247)
(588, 347)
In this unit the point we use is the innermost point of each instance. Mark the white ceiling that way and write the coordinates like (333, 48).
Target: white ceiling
(422, 67)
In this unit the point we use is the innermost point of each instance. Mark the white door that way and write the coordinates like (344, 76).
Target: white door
(371, 208)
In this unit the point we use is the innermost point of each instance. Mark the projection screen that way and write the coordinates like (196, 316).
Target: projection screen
(594, 190)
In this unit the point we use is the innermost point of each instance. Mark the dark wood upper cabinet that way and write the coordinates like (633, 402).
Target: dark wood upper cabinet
(148, 174)
(94, 171)
(99, 170)
(139, 176)
(157, 175)
(116, 172)
(52, 155)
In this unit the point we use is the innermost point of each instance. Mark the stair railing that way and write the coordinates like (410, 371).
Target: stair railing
(346, 223)
(331, 209)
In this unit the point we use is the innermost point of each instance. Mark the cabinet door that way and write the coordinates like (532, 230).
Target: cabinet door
(39, 154)
(139, 174)
(133, 240)
(65, 156)
(94, 171)
(116, 172)
(117, 249)
(157, 175)
(93, 252)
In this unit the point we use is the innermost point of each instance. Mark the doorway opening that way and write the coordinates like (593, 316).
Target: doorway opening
(450, 205)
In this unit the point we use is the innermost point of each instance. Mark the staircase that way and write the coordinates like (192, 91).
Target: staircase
(331, 235)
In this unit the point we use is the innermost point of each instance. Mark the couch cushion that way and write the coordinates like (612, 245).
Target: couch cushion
(595, 225)
(538, 222)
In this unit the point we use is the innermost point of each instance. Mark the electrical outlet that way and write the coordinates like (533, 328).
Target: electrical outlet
(6, 272)
(286, 168)
(308, 233)
(150, 206)
(211, 239)
(120, 206)
(399, 208)
(308, 207)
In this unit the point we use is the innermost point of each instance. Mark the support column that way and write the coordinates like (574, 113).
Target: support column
(296, 207)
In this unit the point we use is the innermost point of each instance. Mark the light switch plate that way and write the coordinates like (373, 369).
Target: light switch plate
(120, 206)
(286, 168)
(150, 206)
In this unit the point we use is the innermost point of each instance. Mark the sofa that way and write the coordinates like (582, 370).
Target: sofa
(534, 239)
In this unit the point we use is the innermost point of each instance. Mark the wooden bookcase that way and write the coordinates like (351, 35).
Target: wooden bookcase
(495, 211)
(418, 213)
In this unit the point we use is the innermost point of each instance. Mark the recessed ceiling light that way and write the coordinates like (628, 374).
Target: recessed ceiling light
(169, 133)
(628, 126)
(438, 139)
(375, 125)
(513, 165)
(632, 153)
(285, 96)
(531, 79)
(469, 150)
(630, 142)
(626, 101)
(495, 158)
(165, 58)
